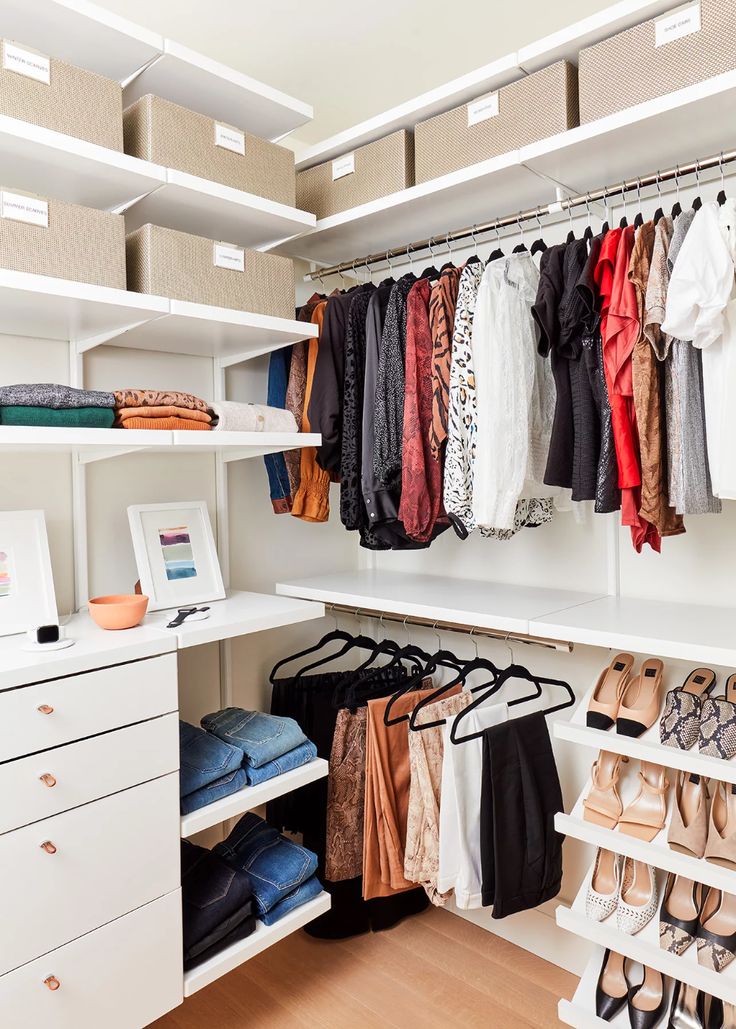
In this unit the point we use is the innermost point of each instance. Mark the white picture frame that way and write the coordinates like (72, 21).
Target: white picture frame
(27, 596)
(175, 554)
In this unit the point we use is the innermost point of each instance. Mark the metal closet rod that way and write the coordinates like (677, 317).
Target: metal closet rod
(469, 630)
(534, 213)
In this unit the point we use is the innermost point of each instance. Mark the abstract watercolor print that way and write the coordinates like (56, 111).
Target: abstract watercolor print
(176, 547)
(6, 578)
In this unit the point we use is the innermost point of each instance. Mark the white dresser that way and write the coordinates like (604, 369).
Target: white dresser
(89, 832)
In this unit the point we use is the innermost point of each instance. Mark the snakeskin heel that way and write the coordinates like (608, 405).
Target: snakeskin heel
(679, 725)
(718, 724)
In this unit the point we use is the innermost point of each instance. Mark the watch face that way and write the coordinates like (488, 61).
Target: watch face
(47, 634)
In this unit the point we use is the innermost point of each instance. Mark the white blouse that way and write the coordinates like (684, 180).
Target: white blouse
(701, 307)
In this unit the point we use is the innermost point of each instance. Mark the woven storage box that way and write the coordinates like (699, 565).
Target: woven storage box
(166, 133)
(181, 266)
(79, 243)
(533, 108)
(380, 168)
(74, 101)
(629, 68)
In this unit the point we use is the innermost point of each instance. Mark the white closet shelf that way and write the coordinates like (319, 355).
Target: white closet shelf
(211, 88)
(644, 948)
(252, 797)
(580, 1011)
(656, 853)
(264, 937)
(484, 605)
(38, 160)
(81, 33)
(192, 204)
(206, 331)
(646, 748)
(602, 152)
(693, 632)
(239, 614)
(94, 648)
(99, 444)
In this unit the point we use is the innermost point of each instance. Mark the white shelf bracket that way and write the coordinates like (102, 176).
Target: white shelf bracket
(82, 346)
(86, 457)
(249, 355)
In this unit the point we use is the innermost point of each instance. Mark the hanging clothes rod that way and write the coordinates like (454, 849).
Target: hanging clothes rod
(534, 213)
(469, 630)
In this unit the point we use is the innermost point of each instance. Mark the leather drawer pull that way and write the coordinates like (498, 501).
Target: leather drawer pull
(52, 982)
(48, 779)
(48, 846)
(45, 709)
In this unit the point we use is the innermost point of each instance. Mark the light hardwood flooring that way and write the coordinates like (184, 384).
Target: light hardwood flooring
(434, 971)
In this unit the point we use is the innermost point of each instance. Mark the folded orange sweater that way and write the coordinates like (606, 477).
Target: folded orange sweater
(124, 414)
(172, 424)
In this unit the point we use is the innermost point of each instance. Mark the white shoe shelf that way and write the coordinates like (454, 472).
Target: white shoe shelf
(579, 1012)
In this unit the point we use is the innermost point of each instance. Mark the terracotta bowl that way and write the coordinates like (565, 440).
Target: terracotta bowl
(118, 612)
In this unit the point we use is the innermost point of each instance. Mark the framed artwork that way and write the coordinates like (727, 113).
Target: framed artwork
(175, 554)
(27, 597)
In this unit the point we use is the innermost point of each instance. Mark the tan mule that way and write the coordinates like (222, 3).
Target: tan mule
(604, 704)
(641, 700)
(721, 845)
(688, 829)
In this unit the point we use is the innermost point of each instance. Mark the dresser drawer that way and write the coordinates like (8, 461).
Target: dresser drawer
(122, 976)
(101, 861)
(45, 784)
(83, 705)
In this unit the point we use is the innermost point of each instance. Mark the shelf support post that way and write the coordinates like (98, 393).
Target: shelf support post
(223, 537)
(79, 496)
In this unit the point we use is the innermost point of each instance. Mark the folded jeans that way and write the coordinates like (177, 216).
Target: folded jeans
(260, 737)
(301, 895)
(212, 893)
(230, 783)
(292, 759)
(203, 758)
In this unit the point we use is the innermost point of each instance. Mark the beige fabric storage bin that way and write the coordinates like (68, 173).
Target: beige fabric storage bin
(73, 101)
(523, 112)
(181, 266)
(630, 68)
(379, 168)
(166, 133)
(78, 243)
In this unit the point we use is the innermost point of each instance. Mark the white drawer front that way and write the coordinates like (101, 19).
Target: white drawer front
(83, 705)
(122, 976)
(101, 861)
(45, 784)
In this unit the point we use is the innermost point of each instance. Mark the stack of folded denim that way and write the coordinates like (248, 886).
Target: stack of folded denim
(268, 745)
(217, 904)
(209, 768)
(281, 873)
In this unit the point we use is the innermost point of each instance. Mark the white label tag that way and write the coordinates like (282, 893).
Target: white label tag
(342, 166)
(680, 23)
(227, 256)
(20, 208)
(483, 109)
(229, 139)
(25, 62)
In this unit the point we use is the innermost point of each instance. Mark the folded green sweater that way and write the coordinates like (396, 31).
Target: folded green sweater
(63, 418)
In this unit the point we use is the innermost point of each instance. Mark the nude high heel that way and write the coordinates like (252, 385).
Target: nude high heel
(604, 704)
(640, 701)
(721, 845)
(645, 816)
(603, 804)
(688, 829)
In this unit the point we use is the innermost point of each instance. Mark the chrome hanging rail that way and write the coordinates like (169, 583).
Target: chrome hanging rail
(534, 213)
(469, 630)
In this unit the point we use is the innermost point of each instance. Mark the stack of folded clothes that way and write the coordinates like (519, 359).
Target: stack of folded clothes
(209, 768)
(158, 409)
(281, 873)
(268, 745)
(229, 416)
(217, 904)
(50, 404)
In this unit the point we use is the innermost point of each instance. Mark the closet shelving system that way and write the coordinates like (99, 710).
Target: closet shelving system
(87, 316)
(678, 127)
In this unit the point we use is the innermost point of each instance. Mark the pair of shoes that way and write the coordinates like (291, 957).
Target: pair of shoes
(691, 913)
(702, 827)
(631, 703)
(645, 816)
(646, 1000)
(625, 886)
(687, 708)
(693, 1009)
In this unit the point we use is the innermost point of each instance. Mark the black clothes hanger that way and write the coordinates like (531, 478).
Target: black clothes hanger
(465, 669)
(397, 653)
(697, 202)
(639, 219)
(513, 671)
(721, 198)
(676, 207)
(538, 246)
(359, 642)
(333, 636)
(495, 255)
(624, 221)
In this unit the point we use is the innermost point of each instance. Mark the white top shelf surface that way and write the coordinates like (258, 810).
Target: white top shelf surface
(485, 605)
(211, 88)
(241, 613)
(94, 648)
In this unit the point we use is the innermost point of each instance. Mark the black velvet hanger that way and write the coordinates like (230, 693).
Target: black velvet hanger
(623, 223)
(334, 636)
(570, 236)
(495, 255)
(464, 668)
(538, 247)
(658, 215)
(721, 198)
(697, 204)
(605, 228)
(473, 260)
(520, 248)
(639, 220)
(588, 234)
(513, 671)
(676, 210)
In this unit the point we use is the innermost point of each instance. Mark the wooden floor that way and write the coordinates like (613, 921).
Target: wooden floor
(435, 971)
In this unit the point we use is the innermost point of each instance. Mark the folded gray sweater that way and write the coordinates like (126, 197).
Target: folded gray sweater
(50, 394)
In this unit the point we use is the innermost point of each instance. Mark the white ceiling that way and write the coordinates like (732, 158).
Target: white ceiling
(353, 60)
